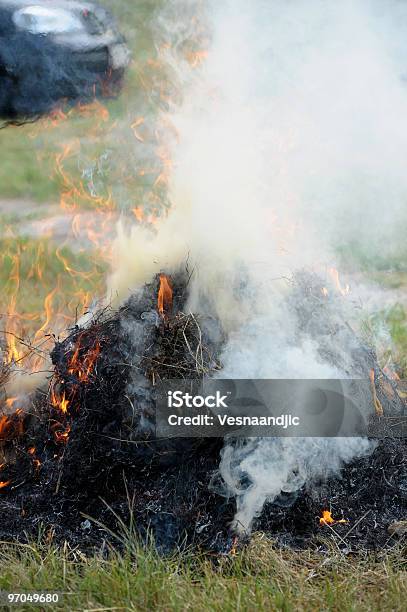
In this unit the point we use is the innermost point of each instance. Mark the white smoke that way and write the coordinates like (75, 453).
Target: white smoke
(292, 142)
(276, 465)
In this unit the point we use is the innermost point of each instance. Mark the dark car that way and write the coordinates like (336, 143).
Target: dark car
(53, 50)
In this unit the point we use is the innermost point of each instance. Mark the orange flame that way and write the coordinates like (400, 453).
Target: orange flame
(92, 213)
(327, 519)
(164, 302)
(141, 217)
(335, 277)
(13, 353)
(11, 426)
(83, 368)
(61, 437)
(196, 58)
(36, 462)
(53, 314)
(60, 403)
(4, 483)
(139, 121)
(233, 550)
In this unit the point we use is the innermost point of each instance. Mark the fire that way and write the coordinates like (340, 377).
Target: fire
(83, 367)
(36, 462)
(13, 352)
(61, 285)
(45, 314)
(233, 550)
(327, 519)
(61, 437)
(4, 483)
(164, 302)
(60, 403)
(141, 217)
(48, 311)
(139, 121)
(11, 426)
(39, 261)
(333, 272)
(163, 155)
(58, 116)
(197, 58)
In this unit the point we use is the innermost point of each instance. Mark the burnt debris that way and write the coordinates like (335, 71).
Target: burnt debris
(85, 457)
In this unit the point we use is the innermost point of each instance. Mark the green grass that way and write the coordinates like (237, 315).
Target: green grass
(389, 273)
(392, 321)
(258, 578)
(374, 258)
(22, 175)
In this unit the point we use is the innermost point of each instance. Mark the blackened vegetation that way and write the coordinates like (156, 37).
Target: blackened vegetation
(370, 495)
(86, 457)
(93, 434)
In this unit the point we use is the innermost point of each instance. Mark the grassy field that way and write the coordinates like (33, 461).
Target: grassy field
(258, 578)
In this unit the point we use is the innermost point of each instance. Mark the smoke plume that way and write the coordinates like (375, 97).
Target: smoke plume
(290, 145)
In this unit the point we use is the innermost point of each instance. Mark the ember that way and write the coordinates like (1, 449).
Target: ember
(327, 519)
(61, 437)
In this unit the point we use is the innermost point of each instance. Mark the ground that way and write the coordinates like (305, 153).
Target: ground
(40, 165)
(258, 578)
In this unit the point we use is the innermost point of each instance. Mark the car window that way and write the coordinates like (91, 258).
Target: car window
(41, 20)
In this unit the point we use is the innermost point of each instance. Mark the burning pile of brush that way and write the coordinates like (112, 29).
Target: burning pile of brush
(83, 460)
(91, 436)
